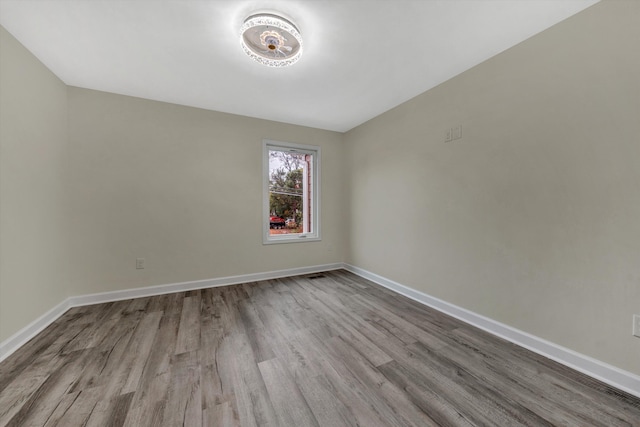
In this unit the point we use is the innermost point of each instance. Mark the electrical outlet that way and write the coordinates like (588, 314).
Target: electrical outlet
(636, 325)
(139, 263)
(453, 134)
(457, 132)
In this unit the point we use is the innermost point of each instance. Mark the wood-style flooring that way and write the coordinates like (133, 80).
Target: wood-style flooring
(328, 349)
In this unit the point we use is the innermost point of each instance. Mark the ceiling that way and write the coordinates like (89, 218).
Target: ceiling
(361, 58)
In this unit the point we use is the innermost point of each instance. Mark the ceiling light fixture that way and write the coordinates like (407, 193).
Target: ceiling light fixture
(271, 40)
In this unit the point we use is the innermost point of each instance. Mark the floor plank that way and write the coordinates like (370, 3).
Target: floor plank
(325, 349)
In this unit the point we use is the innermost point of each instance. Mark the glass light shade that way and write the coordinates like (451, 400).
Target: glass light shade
(271, 40)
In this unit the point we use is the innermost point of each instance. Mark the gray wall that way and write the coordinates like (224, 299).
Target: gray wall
(33, 193)
(533, 217)
(182, 188)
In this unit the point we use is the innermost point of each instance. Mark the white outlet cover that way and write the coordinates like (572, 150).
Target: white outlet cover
(457, 132)
(636, 325)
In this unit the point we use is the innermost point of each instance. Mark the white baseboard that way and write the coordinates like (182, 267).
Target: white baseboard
(197, 284)
(604, 372)
(609, 374)
(21, 337)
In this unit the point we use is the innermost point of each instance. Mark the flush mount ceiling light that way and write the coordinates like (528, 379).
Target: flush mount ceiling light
(271, 40)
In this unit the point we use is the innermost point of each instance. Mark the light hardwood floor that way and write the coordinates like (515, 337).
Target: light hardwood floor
(328, 349)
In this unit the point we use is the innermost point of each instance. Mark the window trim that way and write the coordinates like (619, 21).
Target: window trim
(314, 236)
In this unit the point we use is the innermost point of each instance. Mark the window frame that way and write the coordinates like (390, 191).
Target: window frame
(314, 235)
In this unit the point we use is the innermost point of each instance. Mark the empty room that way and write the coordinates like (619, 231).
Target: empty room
(320, 213)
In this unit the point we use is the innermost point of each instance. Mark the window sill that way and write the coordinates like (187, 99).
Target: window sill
(297, 239)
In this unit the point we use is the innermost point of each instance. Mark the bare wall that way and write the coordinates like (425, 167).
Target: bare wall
(33, 193)
(182, 188)
(533, 217)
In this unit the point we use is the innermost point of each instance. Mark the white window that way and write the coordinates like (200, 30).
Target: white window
(291, 192)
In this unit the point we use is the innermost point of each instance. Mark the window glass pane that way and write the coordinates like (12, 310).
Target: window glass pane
(289, 198)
